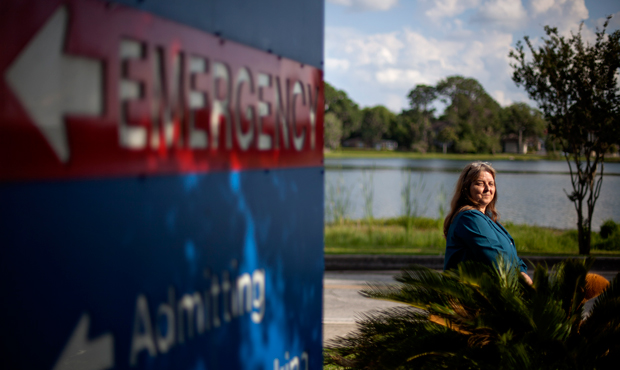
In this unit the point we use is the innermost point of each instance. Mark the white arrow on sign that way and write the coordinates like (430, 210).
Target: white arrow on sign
(80, 353)
(51, 84)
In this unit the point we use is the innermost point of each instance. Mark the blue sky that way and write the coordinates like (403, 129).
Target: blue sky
(378, 50)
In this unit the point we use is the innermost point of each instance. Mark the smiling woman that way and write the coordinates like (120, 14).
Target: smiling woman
(482, 191)
(471, 228)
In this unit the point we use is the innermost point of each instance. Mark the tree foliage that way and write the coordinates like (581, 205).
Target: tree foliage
(471, 123)
(520, 117)
(404, 128)
(480, 317)
(575, 84)
(473, 113)
(421, 99)
(332, 131)
(345, 109)
(375, 123)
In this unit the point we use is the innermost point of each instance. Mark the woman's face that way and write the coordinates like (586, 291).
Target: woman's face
(482, 190)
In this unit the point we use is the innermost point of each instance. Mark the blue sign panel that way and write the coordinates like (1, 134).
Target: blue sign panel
(207, 271)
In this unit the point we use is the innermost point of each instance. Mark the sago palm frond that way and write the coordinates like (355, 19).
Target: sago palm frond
(478, 317)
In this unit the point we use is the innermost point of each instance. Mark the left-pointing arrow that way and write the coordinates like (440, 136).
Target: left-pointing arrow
(51, 84)
(80, 353)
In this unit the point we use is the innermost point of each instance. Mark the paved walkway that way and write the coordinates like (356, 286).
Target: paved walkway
(342, 302)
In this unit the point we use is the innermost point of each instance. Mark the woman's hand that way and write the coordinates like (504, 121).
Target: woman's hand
(527, 278)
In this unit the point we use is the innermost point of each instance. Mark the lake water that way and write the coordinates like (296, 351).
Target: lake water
(528, 192)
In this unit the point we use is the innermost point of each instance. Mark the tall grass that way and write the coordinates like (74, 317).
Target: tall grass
(411, 192)
(368, 192)
(391, 236)
(442, 204)
(338, 202)
(402, 235)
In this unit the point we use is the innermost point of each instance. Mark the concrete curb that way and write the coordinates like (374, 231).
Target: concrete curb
(391, 262)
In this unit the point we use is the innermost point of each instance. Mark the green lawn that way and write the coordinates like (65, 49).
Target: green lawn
(425, 237)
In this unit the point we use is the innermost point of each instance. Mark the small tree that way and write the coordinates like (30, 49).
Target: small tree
(332, 131)
(420, 99)
(523, 120)
(446, 136)
(375, 123)
(345, 109)
(576, 86)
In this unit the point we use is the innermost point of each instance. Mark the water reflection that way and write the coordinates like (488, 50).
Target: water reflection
(529, 192)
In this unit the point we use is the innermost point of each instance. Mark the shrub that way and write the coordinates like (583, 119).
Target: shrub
(612, 243)
(610, 233)
(608, 228)
(479, 317)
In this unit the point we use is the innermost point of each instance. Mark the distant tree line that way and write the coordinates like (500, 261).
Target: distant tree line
(472, 121)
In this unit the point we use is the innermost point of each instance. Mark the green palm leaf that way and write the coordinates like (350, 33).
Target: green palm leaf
(479, 317)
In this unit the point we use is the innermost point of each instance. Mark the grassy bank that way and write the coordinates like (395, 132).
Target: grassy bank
(424, 236)
(371, 153)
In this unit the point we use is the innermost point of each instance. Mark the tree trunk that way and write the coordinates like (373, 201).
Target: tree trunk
(580, 189)
(585, 243)
(584, 238)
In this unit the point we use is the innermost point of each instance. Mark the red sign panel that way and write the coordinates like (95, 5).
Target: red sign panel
(95, 89)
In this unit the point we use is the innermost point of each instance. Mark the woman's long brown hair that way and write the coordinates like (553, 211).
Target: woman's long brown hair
(462, 201)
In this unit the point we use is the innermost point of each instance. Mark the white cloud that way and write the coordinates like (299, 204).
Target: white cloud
(500, 97)
(541, 6)
(426, 49)
(383, 65)
(394, 102)
(566, 15)
(472, 57)
(360, 49)
(450, 8)
(337, 64)
(614, 22)
(367, 5)
(505, 13)
(471, 38)
(402, 78)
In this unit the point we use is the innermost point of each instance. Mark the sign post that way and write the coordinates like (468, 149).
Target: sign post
(161, 195)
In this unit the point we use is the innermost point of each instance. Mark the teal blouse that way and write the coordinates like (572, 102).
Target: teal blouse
(474, 236)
